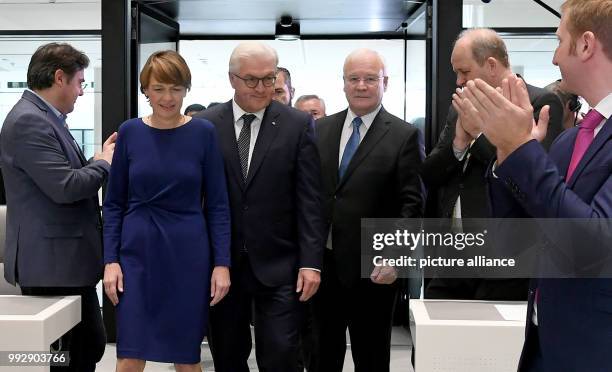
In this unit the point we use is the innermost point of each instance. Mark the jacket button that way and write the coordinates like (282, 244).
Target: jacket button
(245, 207)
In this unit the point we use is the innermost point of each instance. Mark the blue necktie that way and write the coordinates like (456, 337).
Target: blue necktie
(351, 147)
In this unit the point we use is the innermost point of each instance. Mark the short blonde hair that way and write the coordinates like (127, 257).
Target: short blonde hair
(168, 67)
(590, 15)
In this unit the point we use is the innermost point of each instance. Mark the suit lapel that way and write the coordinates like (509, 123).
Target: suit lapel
(267, 132)
(331, 146)
(600, 139)
(563, 157)
(76, 155)
(227, 138)
(377, 131)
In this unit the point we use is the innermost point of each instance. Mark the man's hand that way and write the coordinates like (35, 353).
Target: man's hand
(462, 138)
(308, 283)
(108, 148)
(219, 284)
(383, 275)
(113, 282)
(507, 117)
(469, 122)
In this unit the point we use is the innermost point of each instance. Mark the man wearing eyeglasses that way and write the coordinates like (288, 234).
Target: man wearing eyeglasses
(273, 174)
(53, 226)
(370, 162)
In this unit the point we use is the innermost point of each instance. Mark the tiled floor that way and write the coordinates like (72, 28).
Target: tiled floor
(400, 357)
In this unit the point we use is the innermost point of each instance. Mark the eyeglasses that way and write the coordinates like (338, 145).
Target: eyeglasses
(368, 80)
(252, 82)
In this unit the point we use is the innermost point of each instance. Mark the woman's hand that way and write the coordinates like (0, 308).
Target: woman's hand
(113, 281)
(219, 284)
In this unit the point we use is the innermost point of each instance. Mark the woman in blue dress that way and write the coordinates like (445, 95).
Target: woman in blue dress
(167, 225)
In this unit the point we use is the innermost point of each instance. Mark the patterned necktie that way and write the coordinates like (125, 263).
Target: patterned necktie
(351, 147)
(585, 136)
(244, 143)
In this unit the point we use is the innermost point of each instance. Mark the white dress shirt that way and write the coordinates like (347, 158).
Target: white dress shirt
(347, 130)
(255, 125)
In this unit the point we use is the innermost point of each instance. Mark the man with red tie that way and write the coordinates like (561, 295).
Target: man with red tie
(569, 321)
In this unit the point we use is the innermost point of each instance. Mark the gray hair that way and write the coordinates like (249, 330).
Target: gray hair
(486, 43)
(308, 97)
(364, 52)
(250, 49)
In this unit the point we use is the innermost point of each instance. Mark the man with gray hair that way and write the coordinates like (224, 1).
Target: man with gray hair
(273, 176)
(312, 104)
(370, 161)
(457, 165)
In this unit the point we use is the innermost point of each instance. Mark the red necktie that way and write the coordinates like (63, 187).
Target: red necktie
(586, 133)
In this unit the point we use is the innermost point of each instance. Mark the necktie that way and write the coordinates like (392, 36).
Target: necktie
(586, 133)
(244, 143)
(351, 147)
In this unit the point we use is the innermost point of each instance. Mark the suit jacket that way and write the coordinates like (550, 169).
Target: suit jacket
(466, 178)
(53, 224)
(574, 315)
(381, 181)
(276, 214)
(442, 171)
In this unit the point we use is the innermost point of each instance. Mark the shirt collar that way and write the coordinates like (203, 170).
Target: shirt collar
(604, 107)
(57, 113)
(238, 112)
(367, 119)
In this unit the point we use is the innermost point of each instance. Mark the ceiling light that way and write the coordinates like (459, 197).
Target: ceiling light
(287, 29)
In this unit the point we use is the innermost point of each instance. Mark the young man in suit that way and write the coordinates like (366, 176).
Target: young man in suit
(370, 162)
(568, 320)
(457, 166)
(283, 90)
(53, 225)
(273, 174)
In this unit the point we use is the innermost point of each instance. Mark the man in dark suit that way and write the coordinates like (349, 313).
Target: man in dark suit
(370, 162)
(456, 167)
(53, 225)
(273, 174)
(569, 327)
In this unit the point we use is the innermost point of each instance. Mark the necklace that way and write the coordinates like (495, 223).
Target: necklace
(181, 122)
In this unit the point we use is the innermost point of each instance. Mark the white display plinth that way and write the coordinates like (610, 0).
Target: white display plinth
(30, 323)
(467, 336)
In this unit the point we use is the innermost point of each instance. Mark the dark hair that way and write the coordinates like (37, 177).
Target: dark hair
(51, 57)
(195, 107)
(285, 72)
(167, 66)
(566, 97)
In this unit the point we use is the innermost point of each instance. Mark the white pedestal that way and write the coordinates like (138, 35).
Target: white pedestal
(29, 323)
(465, 336)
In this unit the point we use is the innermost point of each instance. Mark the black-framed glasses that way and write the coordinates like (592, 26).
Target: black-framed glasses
(252, 82)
